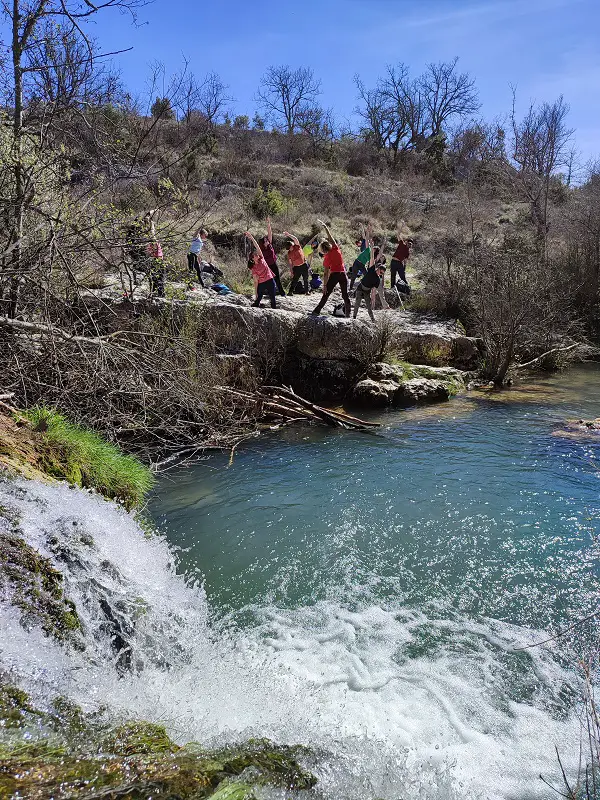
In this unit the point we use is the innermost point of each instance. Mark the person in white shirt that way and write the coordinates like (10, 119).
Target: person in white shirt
(198, 242)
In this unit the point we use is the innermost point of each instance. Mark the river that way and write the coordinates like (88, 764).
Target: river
(392, 578)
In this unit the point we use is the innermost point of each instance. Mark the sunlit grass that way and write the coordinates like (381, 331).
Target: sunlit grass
(84, 458)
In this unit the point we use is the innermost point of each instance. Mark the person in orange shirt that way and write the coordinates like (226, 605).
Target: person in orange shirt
(297, 262)
(335, 272)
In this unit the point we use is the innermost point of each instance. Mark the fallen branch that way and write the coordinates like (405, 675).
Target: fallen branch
(286, 404)
(549, 353)
(337, 417)
(51, 330)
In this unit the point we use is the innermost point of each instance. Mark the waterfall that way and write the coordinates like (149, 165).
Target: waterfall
(473, 718)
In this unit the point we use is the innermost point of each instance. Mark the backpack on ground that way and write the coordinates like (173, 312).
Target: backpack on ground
(403, 287)
(339, 311)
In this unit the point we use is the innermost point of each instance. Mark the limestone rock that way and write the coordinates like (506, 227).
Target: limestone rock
(422, 390)
(394, 384)
(375, 394)
(334, 338)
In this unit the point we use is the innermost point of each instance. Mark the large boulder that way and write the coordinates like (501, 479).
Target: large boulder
(406, 385)
(234, 328)
(375, 394)
(422, 390)
(335, 338)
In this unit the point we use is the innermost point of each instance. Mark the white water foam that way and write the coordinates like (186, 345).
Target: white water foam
(396, 703)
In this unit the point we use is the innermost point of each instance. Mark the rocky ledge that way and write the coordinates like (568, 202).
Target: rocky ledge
(320, 357)
(406, 385)
(323, 357)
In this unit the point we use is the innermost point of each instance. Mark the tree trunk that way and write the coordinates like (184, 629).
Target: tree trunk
(17, 228)
(506, 361)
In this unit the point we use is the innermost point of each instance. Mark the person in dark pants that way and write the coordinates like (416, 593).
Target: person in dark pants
(297, 262)
(198, 242)
(399, 259)
(268, 251)
(335, 272)
(264, 282)
(366, 288)
(156, 267)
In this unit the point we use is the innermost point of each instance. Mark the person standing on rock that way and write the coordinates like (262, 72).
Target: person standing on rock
(269, 255)
(297, 262)
(371, 281)
(399, 259)
(359, 266)
(193, 256)
(264, 281)
(335, 272)
(156, 266)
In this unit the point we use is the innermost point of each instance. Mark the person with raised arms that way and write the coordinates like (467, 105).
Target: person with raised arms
(371, 281)
(268, 251)
(359, 267)
(335, 272)
(264, 282)
(297, 261)
(399, 259)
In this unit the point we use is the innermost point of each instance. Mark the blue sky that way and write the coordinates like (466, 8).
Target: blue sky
(543, 47)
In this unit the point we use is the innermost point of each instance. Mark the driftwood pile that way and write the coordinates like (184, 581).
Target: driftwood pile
(283, 405)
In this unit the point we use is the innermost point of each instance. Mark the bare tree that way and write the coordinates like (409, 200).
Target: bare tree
(539, 148)
(379, 118)
(25, 20)
(447, 95)
(286, 94)
(188, 97)
(318, 125)
(64, 71)
(213, 100)
(405, 113)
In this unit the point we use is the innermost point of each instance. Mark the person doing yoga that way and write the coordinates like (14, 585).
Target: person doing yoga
(335, 272)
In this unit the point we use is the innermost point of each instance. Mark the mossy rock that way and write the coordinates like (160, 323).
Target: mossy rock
(45, 771)
(138, 738)
(35, 587)
(15, 707)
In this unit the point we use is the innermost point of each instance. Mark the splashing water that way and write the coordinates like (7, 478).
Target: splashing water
(384, 635)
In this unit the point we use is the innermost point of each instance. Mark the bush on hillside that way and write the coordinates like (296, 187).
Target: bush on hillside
(269, 202)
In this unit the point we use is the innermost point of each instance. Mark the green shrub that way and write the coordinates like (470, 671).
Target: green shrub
(269, 202)
(82, 457)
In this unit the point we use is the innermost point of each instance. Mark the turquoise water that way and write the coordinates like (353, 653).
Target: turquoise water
(477, 503)
(383, 590)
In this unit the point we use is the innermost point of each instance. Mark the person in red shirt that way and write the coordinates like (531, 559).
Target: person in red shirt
(335, 272)
(264, 282)
(399, 259)
(268, 251)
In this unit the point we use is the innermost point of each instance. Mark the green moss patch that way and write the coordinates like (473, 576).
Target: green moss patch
(45, 771)
(138, 738)
(15, 707)
(82, 457)
(35, 587)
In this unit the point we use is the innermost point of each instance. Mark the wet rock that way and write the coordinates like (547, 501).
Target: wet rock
(31, 583)
(375, 393)
(406, 384)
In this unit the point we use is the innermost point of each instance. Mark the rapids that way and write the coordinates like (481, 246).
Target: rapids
(309, 595)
